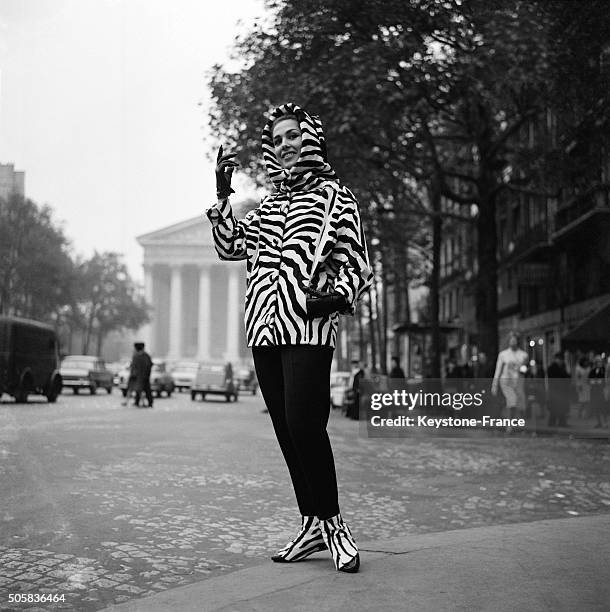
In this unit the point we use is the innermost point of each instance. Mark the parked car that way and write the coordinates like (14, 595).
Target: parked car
(214, 379)
(340, 384)
(122, 380)
(29, 359)
(160, 379)
(246, 380)
(85, 372)
(184, 374)
(116, 367)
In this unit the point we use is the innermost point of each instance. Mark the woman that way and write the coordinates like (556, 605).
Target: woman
(599, 404)
(583, 389)
(510, 370)
(306, 262)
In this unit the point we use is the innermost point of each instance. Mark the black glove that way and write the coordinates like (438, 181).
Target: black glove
(321, 304)
(224, 170)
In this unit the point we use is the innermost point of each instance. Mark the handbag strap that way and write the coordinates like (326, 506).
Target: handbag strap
(328, 204)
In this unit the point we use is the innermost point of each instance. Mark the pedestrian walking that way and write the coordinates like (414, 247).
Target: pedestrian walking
(141, 366)
(511, 366)
(306, 263)
(583, 388)
(599, 402)
(396, 371)
(353, 400)
(559, 392)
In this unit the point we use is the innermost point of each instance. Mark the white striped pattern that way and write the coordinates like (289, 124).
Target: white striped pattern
(339, 540)
(279, 240)
(308, 541)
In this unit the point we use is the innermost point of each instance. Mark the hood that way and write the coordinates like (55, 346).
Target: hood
(312, 167)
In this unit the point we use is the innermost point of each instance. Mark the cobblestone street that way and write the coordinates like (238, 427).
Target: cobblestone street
(105, 503)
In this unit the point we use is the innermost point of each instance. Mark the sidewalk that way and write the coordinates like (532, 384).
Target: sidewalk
(577, 428)
(549, 565)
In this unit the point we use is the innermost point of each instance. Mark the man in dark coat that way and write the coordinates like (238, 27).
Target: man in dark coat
(141, 366)
(396, 371)
(353, 399)
(559, 392)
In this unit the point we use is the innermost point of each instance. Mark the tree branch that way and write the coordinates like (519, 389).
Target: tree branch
(532, 192)
(511, 130)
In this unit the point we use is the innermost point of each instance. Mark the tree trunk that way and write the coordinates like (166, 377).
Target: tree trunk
(361, 351)
(385, 317)
(379, 317)
(435, 361)
(372, 332)
(486, 292)
(88, 332)
(402, 311)
(100, 342)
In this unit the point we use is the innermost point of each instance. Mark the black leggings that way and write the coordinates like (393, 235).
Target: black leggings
(295, 383)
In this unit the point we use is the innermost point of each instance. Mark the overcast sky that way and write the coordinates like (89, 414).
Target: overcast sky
(99, 107)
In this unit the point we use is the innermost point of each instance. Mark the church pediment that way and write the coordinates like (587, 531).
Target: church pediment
(195, 231)
(192, 231)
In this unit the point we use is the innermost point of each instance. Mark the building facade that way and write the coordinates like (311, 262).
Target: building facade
(553, 270)
(11, 181)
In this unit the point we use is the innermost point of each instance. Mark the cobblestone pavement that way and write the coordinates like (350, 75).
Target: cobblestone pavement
(103, 503)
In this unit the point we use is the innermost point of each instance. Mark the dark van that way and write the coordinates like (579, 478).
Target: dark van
(29, 359)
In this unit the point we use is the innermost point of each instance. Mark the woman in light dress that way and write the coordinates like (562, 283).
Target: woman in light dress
(509, 375)
(583, 388)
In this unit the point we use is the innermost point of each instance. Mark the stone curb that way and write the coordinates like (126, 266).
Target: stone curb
(390, 562)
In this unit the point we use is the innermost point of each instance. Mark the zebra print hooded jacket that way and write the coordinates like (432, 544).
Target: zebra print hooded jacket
(279, 240)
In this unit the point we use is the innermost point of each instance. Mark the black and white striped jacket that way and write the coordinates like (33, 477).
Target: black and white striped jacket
(279, 240)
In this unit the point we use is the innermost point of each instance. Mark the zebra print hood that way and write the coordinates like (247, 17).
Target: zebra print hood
(312, 167)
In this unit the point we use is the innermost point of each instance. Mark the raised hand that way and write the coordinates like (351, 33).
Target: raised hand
(224, 170)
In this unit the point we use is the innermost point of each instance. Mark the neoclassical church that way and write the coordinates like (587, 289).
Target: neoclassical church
(198, 300)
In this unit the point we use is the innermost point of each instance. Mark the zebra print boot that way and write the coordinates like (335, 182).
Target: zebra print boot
(341, 544)
(308, 541)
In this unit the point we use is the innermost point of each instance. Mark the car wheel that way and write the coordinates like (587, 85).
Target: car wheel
(54, 391)
(21, 397)
(25, 388)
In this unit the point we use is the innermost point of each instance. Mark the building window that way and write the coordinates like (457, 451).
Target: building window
(516, 229)
(502, 237)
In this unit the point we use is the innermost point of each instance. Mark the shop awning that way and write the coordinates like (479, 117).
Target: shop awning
(593, 334)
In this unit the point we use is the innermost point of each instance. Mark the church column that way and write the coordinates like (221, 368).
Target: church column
(147, 331)
(233, 321)
(175, 313)
(204, 318)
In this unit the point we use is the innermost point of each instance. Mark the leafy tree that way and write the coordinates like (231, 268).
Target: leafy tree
(423, 101)
(35, 265)
(107, 299)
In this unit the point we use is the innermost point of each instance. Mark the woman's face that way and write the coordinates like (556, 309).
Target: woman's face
(513, 342)
(287, 142)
